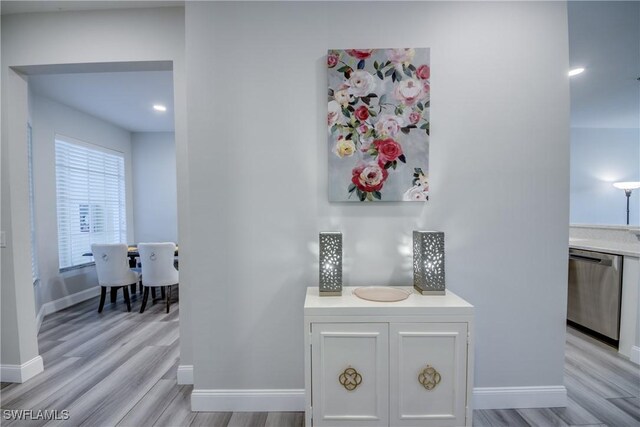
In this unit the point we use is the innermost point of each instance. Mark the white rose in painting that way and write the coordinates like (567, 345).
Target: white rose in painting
(409, 91)
(389, 125)
(342, 96)
(334, 113)
(398, 56)
(424, 182)
(415, 194)
(361, 83)
(344, 147)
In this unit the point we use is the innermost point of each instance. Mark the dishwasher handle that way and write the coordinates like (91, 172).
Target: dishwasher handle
(592, 259)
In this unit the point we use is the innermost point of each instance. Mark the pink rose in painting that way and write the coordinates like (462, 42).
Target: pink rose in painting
(360, 53)
(423, 72)
(332, 59)
(361, 83)
(389, 125)
(369, 177)
(414, 117)
(409, 91)
(362, 113)
(398, 56)
(334, 112)
(388, 150)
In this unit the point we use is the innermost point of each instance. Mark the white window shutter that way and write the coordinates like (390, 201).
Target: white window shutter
(90, 185)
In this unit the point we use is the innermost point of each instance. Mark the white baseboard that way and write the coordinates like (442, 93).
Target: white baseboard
(185, 374)
(293, 400)
(635, 355)
(519, 397)
(65, 302)
(248, 400)
(21, 373)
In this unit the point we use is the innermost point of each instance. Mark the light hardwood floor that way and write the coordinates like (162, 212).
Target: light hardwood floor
(119, 369)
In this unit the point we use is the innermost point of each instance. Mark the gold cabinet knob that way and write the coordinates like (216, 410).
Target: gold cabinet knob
(429, 377)
(350, 379)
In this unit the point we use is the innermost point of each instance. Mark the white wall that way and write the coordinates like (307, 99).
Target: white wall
(255, 179)
(154, 187)
(75, 38)
(599, 157)
(48, 119)
(258, 171)
(19, 345)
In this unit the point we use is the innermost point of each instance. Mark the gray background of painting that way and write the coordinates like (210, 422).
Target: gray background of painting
(415, 145)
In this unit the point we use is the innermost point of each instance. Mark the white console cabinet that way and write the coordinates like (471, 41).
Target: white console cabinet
(407, 363)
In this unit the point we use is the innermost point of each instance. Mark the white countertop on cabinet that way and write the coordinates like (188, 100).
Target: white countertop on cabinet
(612, 247)
(348, 304)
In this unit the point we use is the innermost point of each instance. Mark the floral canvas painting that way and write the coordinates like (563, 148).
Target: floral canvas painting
(378, 124)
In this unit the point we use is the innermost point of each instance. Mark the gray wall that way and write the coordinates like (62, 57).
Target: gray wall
(600, 157)
(49, 118)
(499, 188)
(255, 187)
(73, 38)
(18, 328)
(154, 187)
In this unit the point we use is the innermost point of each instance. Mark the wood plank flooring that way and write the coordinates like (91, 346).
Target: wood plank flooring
(603, 390)
(119, 369)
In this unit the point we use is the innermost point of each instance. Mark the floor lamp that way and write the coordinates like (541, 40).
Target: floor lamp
(628, 187)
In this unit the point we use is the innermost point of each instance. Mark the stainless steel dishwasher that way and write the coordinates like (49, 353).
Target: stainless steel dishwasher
(595, 286)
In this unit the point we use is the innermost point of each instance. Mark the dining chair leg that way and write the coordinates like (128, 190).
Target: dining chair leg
(103, 296)
(162, 292)
(125, 291)
(133, 288)
(144, 299)
(153, 293)
(168, 297)
(114, 294)
(140, 286)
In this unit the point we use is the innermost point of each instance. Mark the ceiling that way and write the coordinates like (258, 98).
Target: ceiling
(604, 38)
(125, 99)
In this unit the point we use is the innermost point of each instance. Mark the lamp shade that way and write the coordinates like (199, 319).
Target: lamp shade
(428, 262)
(330, 263)
(627, 185)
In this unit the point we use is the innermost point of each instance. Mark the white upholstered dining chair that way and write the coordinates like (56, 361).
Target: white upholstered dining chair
(112, 266)
(157, 269)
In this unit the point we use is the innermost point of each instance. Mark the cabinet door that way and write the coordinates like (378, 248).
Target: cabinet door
(428, 374)
(350, 374)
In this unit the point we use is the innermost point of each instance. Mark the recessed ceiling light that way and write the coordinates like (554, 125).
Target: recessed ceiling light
(159, 107)
(575, 71)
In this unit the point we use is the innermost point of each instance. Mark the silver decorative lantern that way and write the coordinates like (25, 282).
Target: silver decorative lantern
(330, 263)
(428, 262)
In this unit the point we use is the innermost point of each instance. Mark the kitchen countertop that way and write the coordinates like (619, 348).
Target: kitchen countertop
(612, 247)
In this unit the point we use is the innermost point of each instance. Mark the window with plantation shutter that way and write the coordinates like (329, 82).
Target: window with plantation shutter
(90, 192)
